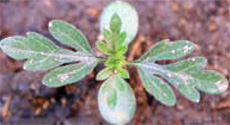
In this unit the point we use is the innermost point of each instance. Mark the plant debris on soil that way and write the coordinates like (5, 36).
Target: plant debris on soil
(24, 100)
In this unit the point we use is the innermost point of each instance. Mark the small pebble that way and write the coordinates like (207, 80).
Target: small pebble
(212, 27)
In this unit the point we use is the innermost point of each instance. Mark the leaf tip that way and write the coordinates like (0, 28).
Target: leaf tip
(197, 100)
(172, 103)
(44, 81)
(50, 24)
(165, 40)
(189, 46)
(48, 82)
(99, 78)
(1, 44)
(53, 22)
(222, 85)
(31, 34)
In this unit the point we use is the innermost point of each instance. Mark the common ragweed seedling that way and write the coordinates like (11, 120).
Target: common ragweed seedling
(116, 100)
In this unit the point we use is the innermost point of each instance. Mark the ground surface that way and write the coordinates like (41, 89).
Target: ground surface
(24, 100)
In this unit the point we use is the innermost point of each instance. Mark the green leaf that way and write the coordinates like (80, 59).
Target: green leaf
(121, 40)
(128, 17)
(187, 75)
(120, 46)
(40, 51)
(158, 88)
(102, 46)
(208, 81)
(104, 74)
(115, 24)
(182, 82)
(188, 64)
(123, 73)
(165, 50)
(177, 76)
(107, 34)
(67, 74)
(115, 61)
(67, 34)
(116, 101)
(112, 99)
(122, 50)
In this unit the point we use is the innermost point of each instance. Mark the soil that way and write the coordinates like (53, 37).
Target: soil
(24, 100)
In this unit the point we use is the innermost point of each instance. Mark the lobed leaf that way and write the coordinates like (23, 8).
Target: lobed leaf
(181, 82)
(158, 88)
(116, 100)
(67, 34)
(165, 50)
(187, 76)
(43, 54)
(208, 81)
(180, 79)
(40, 51)
(67, 74)
(114, 40)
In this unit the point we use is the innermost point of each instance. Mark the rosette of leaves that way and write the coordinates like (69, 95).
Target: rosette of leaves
(116, 99)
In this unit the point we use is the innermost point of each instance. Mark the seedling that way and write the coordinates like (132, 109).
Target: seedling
(116, 101)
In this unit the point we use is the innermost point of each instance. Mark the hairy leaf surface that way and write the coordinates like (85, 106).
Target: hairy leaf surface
(68, 74)
(187, 76)
(165, 50)
(158, 88)
(40, 51)
(42, 54)
(67, 34)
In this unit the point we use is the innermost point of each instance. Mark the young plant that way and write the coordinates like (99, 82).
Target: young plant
(116, 100)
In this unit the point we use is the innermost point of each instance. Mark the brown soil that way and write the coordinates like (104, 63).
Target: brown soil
(24, 100)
